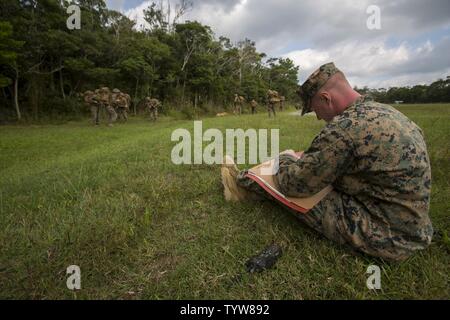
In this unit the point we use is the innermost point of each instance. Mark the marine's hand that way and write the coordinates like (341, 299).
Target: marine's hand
(289, 152)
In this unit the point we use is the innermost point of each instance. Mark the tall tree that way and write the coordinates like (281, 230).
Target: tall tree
(8, 61)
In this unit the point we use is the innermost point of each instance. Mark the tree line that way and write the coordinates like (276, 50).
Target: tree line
(44, 66)
(436, 92)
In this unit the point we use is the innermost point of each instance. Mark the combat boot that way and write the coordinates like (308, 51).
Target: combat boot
(232, 191)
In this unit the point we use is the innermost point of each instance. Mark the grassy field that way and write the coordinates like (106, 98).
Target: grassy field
(110, 201)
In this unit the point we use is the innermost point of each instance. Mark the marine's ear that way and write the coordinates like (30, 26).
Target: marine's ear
(325, 96)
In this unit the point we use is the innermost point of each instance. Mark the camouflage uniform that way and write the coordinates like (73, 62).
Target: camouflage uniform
(272, 99)
(128, 98)
(377, 162)
(152, 106)
(114, 95)
(238, 102)
(253, 105)
(120, 103)
(89, 100)
(123, 107)
(103, 97)
(114, 99)
(282, 100)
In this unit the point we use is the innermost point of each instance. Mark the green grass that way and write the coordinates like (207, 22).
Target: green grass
(111, 201)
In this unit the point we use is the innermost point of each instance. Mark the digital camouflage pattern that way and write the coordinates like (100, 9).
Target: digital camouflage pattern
(273, 98)
(114, 98)
(119, 101)
(282, 100)
(128, 97)
(238, 102)
(121, 104)
(152, 106)
(114, 95)
(377, 162)
(253, 105)
(103, 97)
(313, 84)
(93, 105)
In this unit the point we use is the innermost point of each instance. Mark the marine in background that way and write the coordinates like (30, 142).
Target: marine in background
(104, 98)
(253, 105)
(238, 103)
(93, 105)
(282, 101)
(121, 104)
(273, 98)
(152, 105)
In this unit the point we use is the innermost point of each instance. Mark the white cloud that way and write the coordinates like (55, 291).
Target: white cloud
(308, 59)
(376, 65)
(356, 59)
(137, 13)
(336, 31)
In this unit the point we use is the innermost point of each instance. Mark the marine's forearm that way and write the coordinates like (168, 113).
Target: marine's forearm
(293, 179)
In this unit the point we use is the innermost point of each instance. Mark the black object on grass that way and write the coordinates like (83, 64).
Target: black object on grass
(265, 260)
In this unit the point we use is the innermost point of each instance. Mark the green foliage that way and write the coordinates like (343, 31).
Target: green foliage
(446, 239)
(282, 76)
(8, 53)
(438, 91)
(181, 64)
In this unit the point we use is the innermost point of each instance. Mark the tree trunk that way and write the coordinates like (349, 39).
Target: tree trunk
(61, 82)
(184, 88)
(117, 35)
(52, 82)
(240, 77)
(16, 96)
(34, 94)
(195, 104)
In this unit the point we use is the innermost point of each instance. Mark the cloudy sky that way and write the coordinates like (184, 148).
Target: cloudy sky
(411, 47)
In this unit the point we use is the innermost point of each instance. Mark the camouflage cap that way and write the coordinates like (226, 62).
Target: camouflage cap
(115, 90)
(313, 84)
